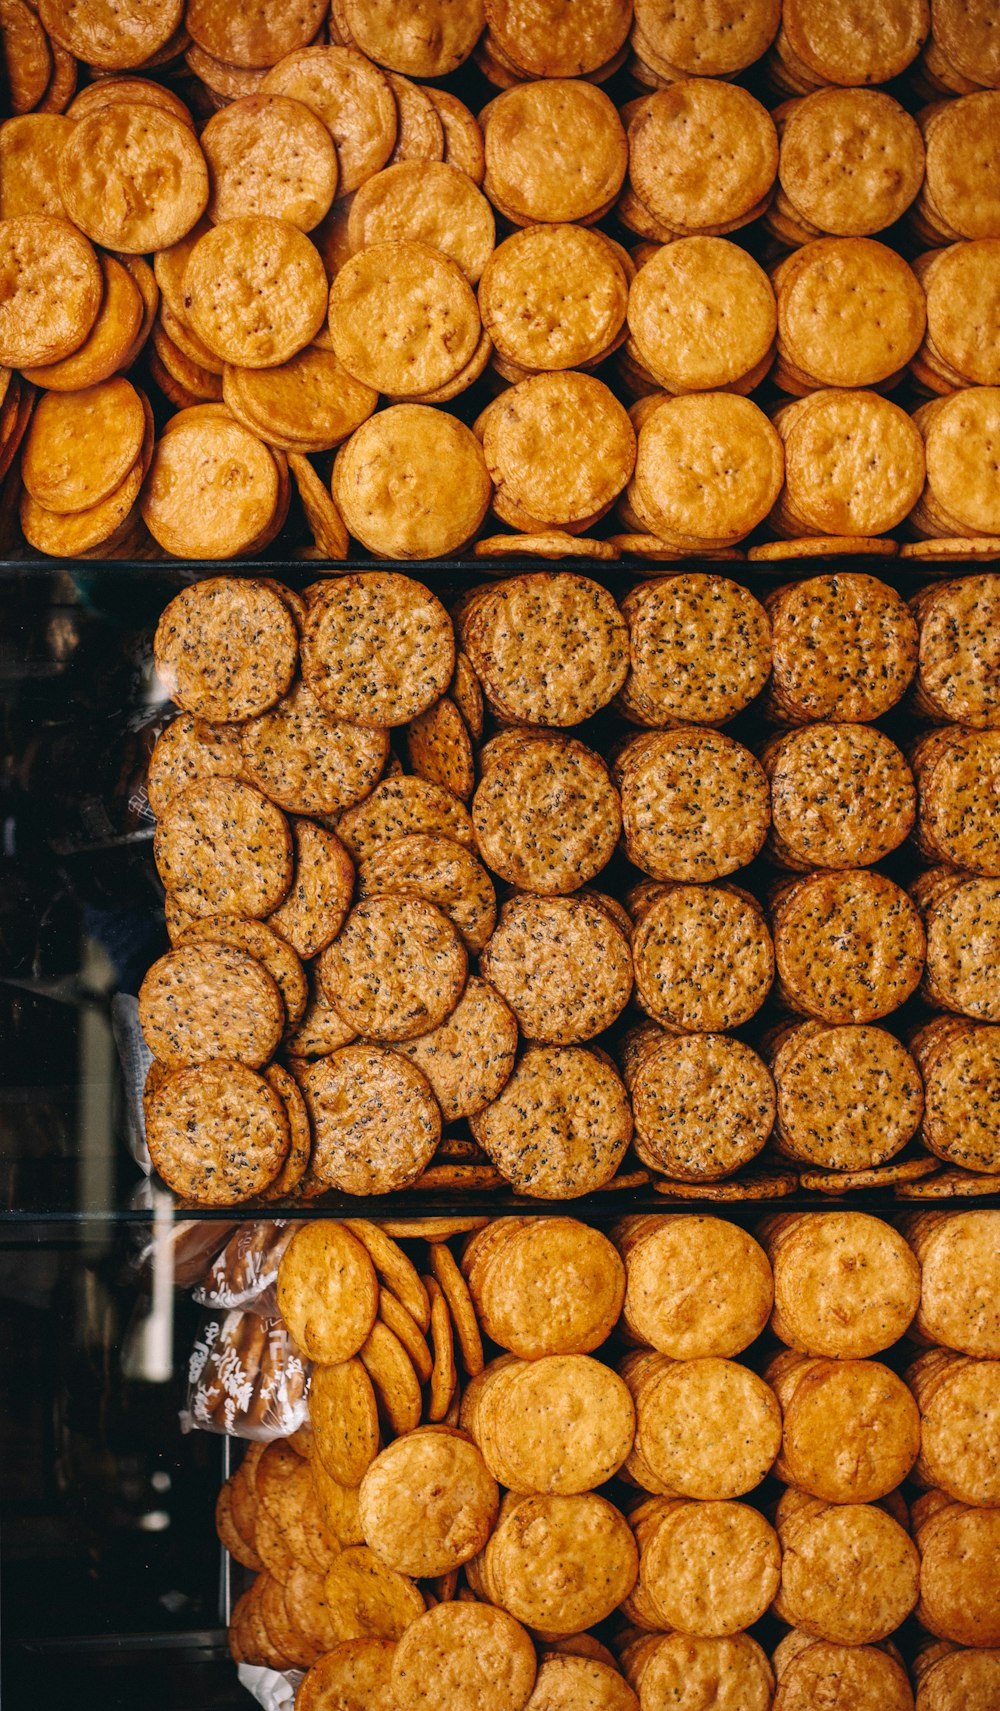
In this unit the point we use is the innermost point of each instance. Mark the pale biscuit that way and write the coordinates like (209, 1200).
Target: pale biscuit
(702, 314)
(412, 483)
(194, 502)
(562, 965)
(958, 1400)
(959, 1551)
(561, 1125)
(30, 146)
(706, 1428)
(958, 1260)
(133, 178)
(704, 40)
(854, 465)
(702, 155)
(680, 1296)
(327, 1291)
(428, 1502)
(708, 469)
(38, 324)
(107, 39)
(458, 1645)
(559, 449)
(558, 1425)
(403, 318)
(807, 1668)
(850, 1428)
(255, 291)
(584, 1288)
(554, 297)
(560, 1564)
(849, 1572)
(963, 314)
(431, 202)
(268, 154)
(842, 795)
(959, 198)
(307, 404)
(733, 1669)
(375, 1121)
(845, 1284)
(555, 44)
(554, 150)
(958, 499)
(81, 445)
(831, 48)
(256, 36)
(851, 160)
(705, 1568)
(824, 331)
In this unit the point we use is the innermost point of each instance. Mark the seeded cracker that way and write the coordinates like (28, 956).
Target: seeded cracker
(224, 849)
(842, 795)
(217, 1133)
(849, 946)
(209, 1001)
(702, 955)
(563, 967)
(378, 648)
(547, 816)
(439, 749)
(226, 648)
(320, 895)
(375, 1121)
(849, 1098)
(703, 1104)
(561, 1126)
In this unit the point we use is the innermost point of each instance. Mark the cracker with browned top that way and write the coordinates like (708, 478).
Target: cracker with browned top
(217, 1133)
(223, 848)
(378, 648)
(375, 1121)
(702, 955)
(546, 814)
(561, 1126)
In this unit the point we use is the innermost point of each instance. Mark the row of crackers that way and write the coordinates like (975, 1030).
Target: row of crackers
(363, 1525)
(420, 990)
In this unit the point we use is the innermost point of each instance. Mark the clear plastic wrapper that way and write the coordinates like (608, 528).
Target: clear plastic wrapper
(246, 1379)
(246, 1271)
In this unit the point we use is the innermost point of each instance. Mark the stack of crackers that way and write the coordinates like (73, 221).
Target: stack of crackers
(526, 313)
(589, 1513)
(425, 936)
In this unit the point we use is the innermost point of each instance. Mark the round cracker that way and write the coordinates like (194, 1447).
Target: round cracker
(356, 1674)
(559, 448)
(469, 1057)
(267, 948)
(258, 34)
(708, 1428)
(561, 1564)
(428, 1503)
(114, 339)
(842, 795)
(255, 291)
(695, 804)
(561, 1126)
(307, 404)
(204, 1001)
(217, 1133)
(549, 648)
(820, 327)
(193, 505)
(306, 760)
(463, 139)
(433, 38)
(319, 897)
(681, 1296)
(564, 968)
(226, 648)
(26, 54)
(327, 1291)
(81, 445)
(845, 1284)
(224, 849)
(375, 1121)
(353, 99)
(30, 146)
(38, 324)
(702, 956)
(703, 1104)
(403, 318)
(849, 946)
(553, 297)
(441, 871)
(439, 749)
(396, 969)
(133, 177)
(268, 154)
(402, 807)
(849, 1572)
(584, 1289)
(108, 38)
(851, 1430)
(344, 1420)
(546, 814)
(849, 1098)
(428, 201)
(458, 1645)
(377, 615)
(559, 1425)
(412, 483)
(702, 314)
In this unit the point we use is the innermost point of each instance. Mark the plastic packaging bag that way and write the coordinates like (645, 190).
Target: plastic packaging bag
(246, 1378)
(245, 1272)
